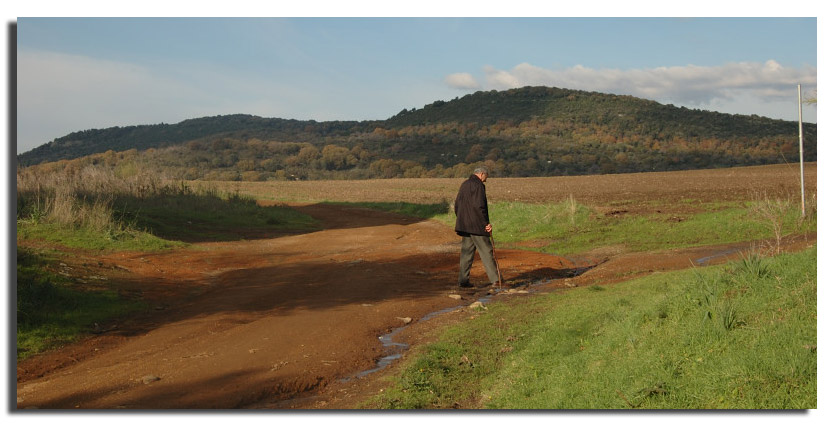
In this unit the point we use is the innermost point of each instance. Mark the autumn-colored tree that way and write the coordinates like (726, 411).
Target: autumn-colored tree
(475, 154)
(335, 157)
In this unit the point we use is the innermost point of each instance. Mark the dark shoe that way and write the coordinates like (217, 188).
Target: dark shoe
(465, 285)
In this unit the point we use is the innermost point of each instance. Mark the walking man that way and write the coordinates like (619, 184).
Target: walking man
(472, 223)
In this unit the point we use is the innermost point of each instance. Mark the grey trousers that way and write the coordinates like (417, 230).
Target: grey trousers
(469, 244)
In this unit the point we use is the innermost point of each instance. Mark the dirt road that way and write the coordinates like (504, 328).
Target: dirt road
(234, 324)
(283, 321)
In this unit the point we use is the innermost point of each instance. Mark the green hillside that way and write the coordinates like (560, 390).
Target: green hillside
(626, 114)
(531, 131)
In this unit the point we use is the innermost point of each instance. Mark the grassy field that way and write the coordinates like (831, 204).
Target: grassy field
(634, 192)
(739, 336)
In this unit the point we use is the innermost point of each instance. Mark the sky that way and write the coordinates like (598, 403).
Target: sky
(82, 73)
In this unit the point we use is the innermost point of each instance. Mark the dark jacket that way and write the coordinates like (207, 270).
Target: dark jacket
(471, 208)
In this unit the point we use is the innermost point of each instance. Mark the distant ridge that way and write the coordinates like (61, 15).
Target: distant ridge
(524, 132)
(142, 137)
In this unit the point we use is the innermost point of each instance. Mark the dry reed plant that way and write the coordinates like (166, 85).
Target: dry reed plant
(571, 207)
(773, 212)
(80, 197)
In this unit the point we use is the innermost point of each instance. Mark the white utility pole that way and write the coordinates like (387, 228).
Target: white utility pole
(800, 128)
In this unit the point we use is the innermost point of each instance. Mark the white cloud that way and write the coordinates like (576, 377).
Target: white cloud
(690, 84)
(461, 81)
(508, 79)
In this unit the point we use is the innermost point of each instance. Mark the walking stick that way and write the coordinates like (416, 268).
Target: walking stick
(496, 259)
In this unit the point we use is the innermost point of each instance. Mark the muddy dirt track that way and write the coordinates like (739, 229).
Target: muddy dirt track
(260, 321)
(290, 321)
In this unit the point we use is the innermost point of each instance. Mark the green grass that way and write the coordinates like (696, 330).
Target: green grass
(210, 216)
(81, 237)
(568, 228)
(417, 210)
(52, 311)
(739, 336)
(654, 232)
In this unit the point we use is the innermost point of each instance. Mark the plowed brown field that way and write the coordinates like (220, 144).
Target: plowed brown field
(290, 321)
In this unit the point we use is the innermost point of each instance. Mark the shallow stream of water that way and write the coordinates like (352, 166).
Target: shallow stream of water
(396, 349)
(705, 260)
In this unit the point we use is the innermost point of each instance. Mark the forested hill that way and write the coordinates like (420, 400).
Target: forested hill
(142, 137)
(624, 114)
(531, 131)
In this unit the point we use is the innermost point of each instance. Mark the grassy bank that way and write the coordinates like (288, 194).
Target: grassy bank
(740, 336)
(568, 227)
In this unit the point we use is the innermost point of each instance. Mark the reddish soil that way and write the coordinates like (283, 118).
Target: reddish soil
(281, 321)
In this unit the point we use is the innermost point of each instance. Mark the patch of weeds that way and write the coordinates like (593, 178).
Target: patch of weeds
(754, 266)
(717, 301)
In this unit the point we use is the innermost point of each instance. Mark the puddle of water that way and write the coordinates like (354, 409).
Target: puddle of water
(704, 260)
(396, 349)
